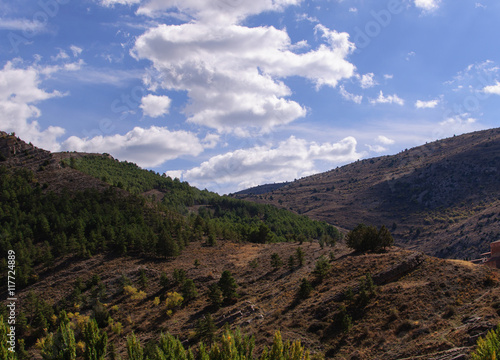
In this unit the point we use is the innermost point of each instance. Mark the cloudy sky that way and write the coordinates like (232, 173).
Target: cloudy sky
(228, 94)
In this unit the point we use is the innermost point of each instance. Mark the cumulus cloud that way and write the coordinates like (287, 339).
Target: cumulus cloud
(427, 5)
(20, 91)
(367, 81)
(290, 159)
(216, 12)
(492, 89)
(384, 140)
(146, 147)
(155, 106)
(232, 73)
(350, 97)
(431, 104)
(389, 99)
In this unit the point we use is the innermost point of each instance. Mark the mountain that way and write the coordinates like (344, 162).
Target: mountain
(442, 198)
(97, 239)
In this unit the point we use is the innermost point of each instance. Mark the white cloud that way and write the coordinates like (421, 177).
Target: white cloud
(388, 76)
(292, 158)
(121, 2)
(389, 99)
(31, 27)
(376, 148)
(210, 141)
(367, 81)
(428, 5)
(348, 96)
(493, 89)
(146, 147)
(20, 91)
(215, 12)
(76, 50)
(155, 106)
(353, 10)
(62, 55)
(459, 120)
(431, 104)
(232, 73)
(384, 140)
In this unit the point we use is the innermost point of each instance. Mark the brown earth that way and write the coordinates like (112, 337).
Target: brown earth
(442, 198)
(422, 306)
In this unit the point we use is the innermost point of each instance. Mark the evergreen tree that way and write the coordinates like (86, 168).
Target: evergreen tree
(95, 342)
(205, 329)
(276, 262)
(300, 256)
(61, 345)
(228, 285)
(189, 290)
(135, 350)
(215, 295)
(304, 289)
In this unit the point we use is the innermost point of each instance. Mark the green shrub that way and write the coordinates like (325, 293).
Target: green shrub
(488, 348)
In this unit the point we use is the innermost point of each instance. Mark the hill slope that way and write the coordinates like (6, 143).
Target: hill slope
(442, 198)
(93, 247)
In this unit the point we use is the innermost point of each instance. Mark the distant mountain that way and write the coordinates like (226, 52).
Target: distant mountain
(442, 198)
(261, 189)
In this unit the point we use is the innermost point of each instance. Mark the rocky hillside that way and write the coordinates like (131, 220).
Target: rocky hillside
(442, 198)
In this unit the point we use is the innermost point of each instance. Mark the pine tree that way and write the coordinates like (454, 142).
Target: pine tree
(228, 285)
(61, 345)
(276, 262)
(189, 290)
(95, 342)
(205, 330)
(300, 256)
(215, 295)
(134, 348)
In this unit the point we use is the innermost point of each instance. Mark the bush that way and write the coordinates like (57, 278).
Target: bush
(227, 285)
(366, 238)
(488, 347)
(189, 290)
(305, 289)
(321, 268)
(173, 301)
(276, 262)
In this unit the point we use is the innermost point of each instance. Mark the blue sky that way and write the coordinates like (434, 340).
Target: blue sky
(228, 94)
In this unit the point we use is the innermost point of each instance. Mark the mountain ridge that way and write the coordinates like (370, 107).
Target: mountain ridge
(432, 190)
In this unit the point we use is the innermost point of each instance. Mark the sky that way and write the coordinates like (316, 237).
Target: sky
(229, 94)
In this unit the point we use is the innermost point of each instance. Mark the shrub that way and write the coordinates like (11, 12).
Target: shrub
(488, 347)
(305, 289)
(300, 256)
(366, 238)
(173, 300)
(215, 296)
(276, 262)
(321, 268)
(228, 285)
(189, 290)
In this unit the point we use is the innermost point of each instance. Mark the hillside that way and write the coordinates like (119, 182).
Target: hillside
(119, 245)
(442, 198)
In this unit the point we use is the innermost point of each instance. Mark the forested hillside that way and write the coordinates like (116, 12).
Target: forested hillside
(116, 262)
